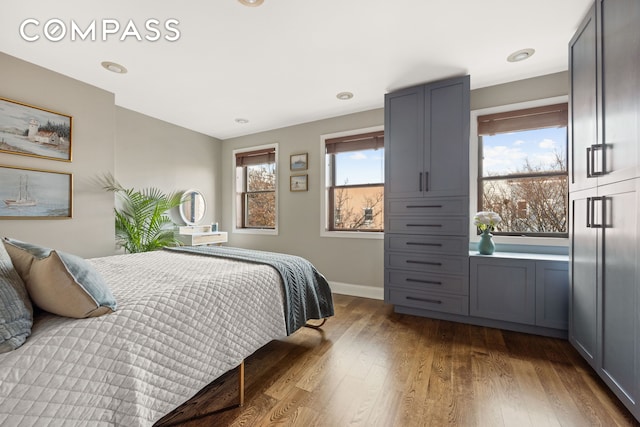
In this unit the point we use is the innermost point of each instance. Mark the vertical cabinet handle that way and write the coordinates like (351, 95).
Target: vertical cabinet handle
(591, 222)
(420, 182)
(426, 181)
(591, 160)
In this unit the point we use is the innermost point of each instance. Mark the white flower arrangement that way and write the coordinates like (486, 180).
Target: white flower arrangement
(486, 220)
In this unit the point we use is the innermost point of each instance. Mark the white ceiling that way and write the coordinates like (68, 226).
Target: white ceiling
(284, 62)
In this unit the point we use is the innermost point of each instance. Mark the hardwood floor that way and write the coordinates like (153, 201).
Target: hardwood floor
(369, 366)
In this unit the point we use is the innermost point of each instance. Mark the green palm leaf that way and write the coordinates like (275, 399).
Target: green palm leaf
(141, 223)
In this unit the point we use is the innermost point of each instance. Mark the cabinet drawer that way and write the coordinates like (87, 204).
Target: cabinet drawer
(456, 304)
(428, 282)
(428, 263)
(456, 226)
(429, 206)
(445, 245)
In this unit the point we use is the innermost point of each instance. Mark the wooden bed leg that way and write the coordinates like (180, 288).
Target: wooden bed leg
(241, 384)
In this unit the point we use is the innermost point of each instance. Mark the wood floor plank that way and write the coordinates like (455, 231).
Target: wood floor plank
(440, 391)
(373, 388)
(369, 366)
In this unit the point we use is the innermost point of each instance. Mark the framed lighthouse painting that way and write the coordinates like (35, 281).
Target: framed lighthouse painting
(35, 194)
(34, 131)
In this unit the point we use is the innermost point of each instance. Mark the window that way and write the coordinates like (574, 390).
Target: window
(522, 170)
(355, 182)
(256, 189)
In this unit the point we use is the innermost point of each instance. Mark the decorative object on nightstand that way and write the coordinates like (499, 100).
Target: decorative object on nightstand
(193, 207)
(486, 222)
(192, 211)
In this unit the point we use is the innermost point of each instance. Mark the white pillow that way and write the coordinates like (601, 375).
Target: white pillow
(16, 312)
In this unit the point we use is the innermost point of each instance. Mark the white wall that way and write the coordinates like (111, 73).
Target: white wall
(138, 150)
(153, 153)
(351, 261)
(90, 231)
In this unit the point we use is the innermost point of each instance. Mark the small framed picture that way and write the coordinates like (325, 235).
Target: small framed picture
(298, 162)
(298, 183)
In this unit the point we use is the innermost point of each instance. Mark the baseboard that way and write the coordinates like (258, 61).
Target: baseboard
(357, 290)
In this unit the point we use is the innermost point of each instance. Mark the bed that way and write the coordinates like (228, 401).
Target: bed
(183, 319)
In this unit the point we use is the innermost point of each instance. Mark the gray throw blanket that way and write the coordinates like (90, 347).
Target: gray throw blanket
(307, 293)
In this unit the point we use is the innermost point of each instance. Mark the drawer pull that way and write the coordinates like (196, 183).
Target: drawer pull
(424, 225)
(424, 206)
(432, 301)
(424, 244)
(411, 261)
(429, 282)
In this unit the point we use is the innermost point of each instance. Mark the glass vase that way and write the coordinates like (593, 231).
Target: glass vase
(486, 245)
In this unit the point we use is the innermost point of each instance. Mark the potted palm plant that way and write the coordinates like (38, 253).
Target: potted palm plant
(142, 220)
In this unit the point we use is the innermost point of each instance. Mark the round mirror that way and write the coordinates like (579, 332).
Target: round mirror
(193, 207)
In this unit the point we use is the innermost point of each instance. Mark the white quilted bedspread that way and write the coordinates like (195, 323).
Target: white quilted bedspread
(182, 321)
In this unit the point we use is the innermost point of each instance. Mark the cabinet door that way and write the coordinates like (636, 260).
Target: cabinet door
(620, 88)
(404, 143)
(502, 289)
(447, 138)
(583, 101)
(620, 288)
(583, 275)
(552, 294)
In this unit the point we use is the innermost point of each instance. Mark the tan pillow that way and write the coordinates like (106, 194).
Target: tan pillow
(60, 283)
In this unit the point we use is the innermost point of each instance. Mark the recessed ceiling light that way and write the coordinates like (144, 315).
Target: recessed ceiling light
(242, 121)
(251, 3)
(521, 55)
(113, 67)
(343, 96)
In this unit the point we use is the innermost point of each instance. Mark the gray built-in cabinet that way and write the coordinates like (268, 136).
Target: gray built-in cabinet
(522, 289)
(604, 319)
(427, 197)
(427, 256)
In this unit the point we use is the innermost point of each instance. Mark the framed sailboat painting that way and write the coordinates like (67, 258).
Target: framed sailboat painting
(35, 194)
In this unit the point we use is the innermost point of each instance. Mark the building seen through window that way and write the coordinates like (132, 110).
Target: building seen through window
(256, 189)
(522, 170)
(355, 182)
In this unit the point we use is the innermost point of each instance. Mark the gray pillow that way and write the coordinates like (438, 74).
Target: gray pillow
(16, 312)
(59, 282)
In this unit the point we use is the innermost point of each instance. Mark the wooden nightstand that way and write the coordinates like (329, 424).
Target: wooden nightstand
(209, 238)
(200, 235)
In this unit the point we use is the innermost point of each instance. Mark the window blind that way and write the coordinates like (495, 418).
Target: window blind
(258, 157)
(364, 141)
(528, 119)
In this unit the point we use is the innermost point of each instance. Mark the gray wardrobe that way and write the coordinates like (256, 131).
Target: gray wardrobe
(604, 156)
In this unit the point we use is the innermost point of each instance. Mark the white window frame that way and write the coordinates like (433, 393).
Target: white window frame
(473, 175)
(324, 194)
(234, 207)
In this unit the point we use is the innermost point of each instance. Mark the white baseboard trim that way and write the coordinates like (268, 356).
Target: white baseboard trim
(357, 290)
